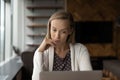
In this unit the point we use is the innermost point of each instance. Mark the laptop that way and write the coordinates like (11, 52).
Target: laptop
(71, 75)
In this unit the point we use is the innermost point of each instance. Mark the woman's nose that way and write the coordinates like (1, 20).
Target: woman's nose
(57, 36)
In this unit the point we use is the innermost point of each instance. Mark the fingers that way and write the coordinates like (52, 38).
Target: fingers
(46, 43)
(50, 42)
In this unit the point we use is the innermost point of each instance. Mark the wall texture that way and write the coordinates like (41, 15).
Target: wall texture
(98, 10)
(94, 10)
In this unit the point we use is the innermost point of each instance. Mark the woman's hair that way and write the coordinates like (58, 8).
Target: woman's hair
(64, 16)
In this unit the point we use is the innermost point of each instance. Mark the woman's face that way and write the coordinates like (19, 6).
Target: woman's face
(60, 29)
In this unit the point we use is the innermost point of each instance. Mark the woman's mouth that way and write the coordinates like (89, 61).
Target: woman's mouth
(57, 41)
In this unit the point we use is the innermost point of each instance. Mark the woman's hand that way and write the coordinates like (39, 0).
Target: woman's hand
(46, 43)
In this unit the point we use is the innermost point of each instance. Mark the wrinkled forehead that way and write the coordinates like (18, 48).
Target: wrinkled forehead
(62, 23)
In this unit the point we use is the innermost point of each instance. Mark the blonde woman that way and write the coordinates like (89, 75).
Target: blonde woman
(58, 51)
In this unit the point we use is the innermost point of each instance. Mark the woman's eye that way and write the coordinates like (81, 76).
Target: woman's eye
(54, 30)
(64, 32)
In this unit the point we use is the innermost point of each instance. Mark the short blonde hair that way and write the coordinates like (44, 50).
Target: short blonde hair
(65, 16)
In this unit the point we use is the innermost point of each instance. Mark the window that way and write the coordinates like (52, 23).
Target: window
(2, 32)
(5, 30)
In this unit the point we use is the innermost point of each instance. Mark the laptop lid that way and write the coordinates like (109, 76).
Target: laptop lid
(71, 75)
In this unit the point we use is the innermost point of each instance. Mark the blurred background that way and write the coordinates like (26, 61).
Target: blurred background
(23, 27)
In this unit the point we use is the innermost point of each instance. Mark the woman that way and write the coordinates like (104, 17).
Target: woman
(58, 51)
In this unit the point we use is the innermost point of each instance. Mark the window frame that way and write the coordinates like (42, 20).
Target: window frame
(2, 30)
(6, 34)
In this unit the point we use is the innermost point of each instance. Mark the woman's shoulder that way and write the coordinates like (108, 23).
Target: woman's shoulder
(80, 49)
(79, 45)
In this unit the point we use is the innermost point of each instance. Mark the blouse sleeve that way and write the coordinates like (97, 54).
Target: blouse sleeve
(37, 65)
(84, 60)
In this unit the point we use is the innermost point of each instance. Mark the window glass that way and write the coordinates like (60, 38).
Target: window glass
(2, 31)
(6, 21)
